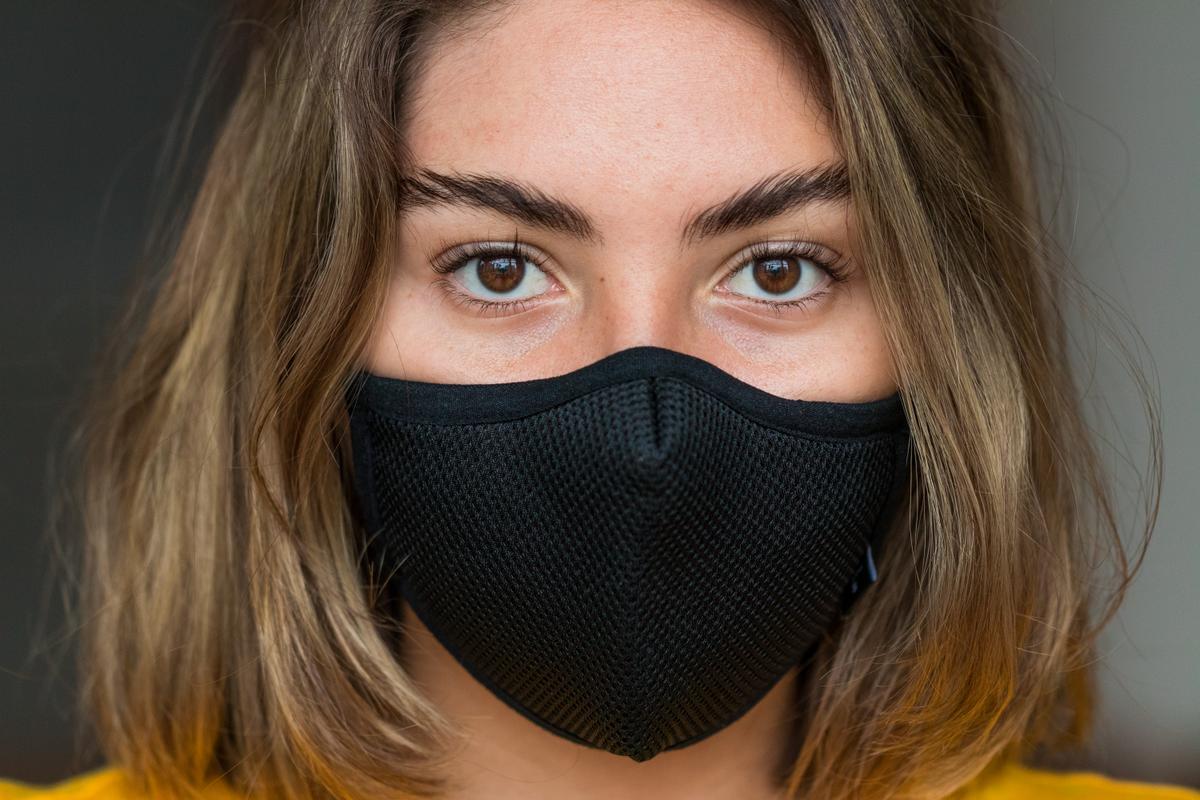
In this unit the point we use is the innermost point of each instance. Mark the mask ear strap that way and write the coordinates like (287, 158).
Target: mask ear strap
(866, 575)
(867, 572)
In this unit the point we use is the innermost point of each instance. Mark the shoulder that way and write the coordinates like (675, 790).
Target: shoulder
(1028, 783)
(108, 783)
(95, 784)
(1014, 782)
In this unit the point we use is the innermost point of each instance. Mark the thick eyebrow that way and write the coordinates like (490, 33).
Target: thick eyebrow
(770, 197)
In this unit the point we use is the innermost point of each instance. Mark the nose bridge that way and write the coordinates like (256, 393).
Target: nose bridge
(646, 300)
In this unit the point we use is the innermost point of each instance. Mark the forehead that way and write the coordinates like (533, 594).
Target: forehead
(605, 99)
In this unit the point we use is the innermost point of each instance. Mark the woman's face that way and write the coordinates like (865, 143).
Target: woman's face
(634, 129)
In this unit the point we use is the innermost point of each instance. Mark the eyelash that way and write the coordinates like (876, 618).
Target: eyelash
(456, 257)
(835, 268)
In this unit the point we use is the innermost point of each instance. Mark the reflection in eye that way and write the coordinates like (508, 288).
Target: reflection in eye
(499, 276)
(783, 274)
(508, 271)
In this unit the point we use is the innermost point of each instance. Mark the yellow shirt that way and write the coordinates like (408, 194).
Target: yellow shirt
(1016, 782)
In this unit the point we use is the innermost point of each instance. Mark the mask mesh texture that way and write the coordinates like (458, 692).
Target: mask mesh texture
(632, 569)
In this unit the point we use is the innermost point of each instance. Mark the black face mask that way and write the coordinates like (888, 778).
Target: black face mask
(630, 554)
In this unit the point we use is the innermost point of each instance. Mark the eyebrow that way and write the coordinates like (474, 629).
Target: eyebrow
(766, 199)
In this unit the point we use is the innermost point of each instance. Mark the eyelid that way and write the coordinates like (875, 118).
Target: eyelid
(825, 258)
(452, 259)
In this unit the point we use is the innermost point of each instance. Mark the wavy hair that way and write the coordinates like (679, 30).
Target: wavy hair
(231, 630)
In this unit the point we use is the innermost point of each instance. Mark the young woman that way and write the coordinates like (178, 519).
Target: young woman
(601, 399)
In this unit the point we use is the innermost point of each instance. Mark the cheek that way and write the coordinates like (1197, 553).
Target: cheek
(863, 369)
(404, 323)
(840, 355)
(855, 364)
(419, 337)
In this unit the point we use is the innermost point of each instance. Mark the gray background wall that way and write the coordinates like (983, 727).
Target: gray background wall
(1124, 78)
(88, 89)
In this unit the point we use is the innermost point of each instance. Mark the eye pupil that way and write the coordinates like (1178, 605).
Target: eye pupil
(500, 273)
(777, 274)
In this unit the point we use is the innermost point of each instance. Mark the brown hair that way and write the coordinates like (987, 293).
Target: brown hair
(230, 628)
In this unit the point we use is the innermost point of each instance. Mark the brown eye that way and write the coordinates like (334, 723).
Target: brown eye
(777, 274)
(495, 272)
(500, 274)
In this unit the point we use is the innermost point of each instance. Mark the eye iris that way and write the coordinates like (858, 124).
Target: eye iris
(500, 273)
(777, 274)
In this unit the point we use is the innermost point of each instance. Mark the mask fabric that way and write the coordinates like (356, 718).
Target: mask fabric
(630, 554)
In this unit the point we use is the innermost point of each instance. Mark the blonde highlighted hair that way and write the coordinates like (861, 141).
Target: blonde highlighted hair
(230, 629)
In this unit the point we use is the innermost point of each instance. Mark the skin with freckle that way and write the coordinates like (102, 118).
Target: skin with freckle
(572, 121)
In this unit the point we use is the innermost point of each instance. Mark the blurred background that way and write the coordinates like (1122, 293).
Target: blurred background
(90, 92)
